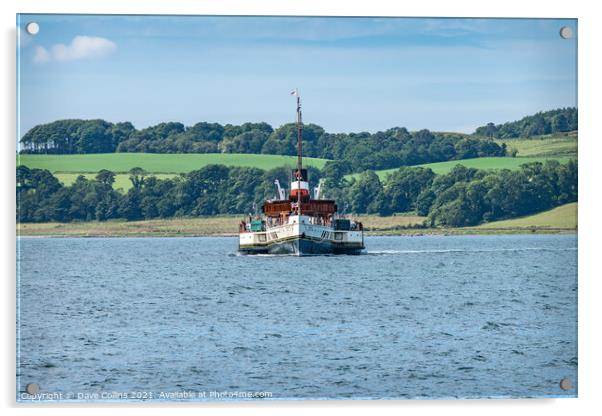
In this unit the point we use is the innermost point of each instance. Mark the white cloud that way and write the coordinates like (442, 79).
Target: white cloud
(81, 47)
(41, 55)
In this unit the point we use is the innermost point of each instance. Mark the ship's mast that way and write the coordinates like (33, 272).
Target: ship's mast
(299, 157)
(299, 127)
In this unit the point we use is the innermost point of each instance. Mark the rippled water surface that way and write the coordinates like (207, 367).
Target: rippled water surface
(435, 317)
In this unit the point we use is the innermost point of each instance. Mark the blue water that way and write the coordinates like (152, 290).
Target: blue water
(417, 317)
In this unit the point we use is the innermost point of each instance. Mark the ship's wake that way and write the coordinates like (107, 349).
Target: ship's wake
(460, 250)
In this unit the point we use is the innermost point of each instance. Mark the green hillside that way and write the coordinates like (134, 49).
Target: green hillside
(156, 163)
(68, 167)
(489, 163)
(564, 216)
(478, 163)
(543, 146)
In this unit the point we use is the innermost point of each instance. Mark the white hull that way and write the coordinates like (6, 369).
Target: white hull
(302, 238)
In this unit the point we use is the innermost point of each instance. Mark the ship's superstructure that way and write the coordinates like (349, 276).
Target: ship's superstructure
(299, 224)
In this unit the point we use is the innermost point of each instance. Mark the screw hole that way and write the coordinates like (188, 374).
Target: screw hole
(32, 28)
(32, 388)
(566, 32)
(566, 384)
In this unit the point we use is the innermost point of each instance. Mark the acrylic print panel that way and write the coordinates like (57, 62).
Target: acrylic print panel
(302, 208)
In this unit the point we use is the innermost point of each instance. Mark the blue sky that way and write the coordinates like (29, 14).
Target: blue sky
(353, 74)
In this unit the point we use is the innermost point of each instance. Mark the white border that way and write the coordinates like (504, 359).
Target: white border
(590, 149)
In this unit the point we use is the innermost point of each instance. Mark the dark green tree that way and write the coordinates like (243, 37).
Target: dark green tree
(403, 187)
(106, 177)
(366, 193)
(137, 175)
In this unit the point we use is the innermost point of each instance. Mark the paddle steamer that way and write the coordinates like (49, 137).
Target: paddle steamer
(298, 223)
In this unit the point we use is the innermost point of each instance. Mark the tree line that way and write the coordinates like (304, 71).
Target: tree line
(463, 197)
(555, 121)
(382, 150)
(212, 190)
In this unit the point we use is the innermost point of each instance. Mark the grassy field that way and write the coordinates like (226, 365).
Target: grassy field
(491, 163)
(222, 225)
(156, 163)
(218, 225)
(374, 223)
(68, 167)
(487, 163)
(562, 219)
(543, 146)
(122, 180)
(538, 149)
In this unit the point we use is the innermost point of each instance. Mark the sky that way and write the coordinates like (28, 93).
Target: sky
(353, 74)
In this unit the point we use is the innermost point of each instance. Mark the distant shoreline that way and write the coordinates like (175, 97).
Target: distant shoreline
(443, 233)
(427, 232)
(560, 220)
